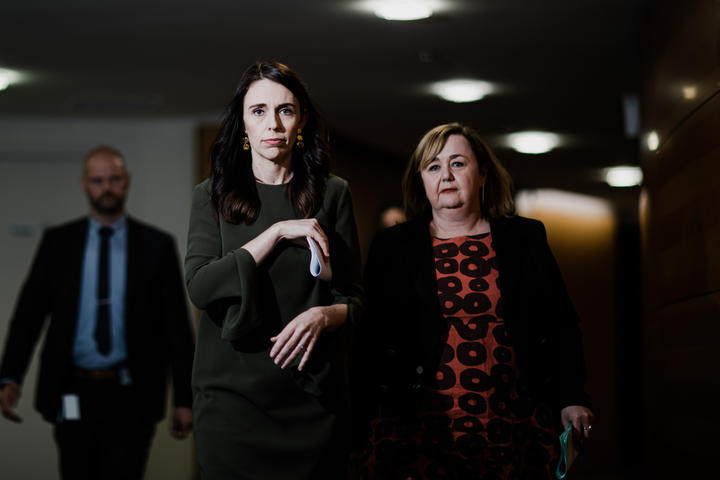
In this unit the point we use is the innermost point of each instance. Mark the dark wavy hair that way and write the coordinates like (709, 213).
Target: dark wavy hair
(497, 197)
(234, 194)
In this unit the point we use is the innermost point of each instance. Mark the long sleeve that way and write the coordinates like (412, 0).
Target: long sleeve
(345, 259)
(178, 332)
(30, 314)
(224, 285)
(541, 320)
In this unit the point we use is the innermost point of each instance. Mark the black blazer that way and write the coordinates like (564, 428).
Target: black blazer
(157, 329)
(400, 340)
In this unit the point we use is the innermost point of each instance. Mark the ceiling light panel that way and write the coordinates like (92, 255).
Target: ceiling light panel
(461, 90)
(8, 77)
(623, 176)
(533, 142)
(403, 10)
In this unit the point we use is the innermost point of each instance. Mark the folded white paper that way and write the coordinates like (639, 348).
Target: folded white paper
(318, 266)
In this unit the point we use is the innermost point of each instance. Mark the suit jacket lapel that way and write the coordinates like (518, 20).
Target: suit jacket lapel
(132, 280)
(503, 243)
(511, 263)
(75, 251)
(421, 269)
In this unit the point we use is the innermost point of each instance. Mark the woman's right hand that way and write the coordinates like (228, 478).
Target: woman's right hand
(297, 230)
(292, 230)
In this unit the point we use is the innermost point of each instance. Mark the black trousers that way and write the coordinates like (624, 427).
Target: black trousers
(110, 441)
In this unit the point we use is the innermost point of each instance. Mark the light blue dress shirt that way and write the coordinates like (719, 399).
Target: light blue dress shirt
(85, 352)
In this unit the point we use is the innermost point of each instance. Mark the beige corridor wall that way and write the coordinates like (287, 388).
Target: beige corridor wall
(681, 240)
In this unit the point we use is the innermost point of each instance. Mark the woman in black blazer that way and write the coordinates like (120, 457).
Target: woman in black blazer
(470, 356)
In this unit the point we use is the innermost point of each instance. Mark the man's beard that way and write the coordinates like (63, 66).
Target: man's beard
(107, 203)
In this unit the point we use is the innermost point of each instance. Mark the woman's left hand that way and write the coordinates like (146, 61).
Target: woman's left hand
(300, 335)
(581, 417)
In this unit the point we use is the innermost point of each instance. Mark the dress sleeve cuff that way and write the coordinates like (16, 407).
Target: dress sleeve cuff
(242, 317)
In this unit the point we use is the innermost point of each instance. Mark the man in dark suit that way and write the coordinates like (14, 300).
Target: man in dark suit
(111, 291)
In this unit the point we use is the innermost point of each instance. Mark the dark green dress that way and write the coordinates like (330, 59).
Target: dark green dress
(252, 419)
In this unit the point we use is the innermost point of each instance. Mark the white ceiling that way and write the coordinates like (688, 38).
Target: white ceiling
(560, 65)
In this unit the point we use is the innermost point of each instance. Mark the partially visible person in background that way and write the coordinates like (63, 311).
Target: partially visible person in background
(390, 214)
(269, 379)
(111, 293)
(470, 356)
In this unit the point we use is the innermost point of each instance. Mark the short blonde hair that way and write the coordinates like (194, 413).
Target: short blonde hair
(498, 200)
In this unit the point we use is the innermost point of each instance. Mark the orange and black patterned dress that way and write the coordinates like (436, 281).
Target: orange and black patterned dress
(478, 421)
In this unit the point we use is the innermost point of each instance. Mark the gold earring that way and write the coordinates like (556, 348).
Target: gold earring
(299, 139)
(246, 144)
(482, 195)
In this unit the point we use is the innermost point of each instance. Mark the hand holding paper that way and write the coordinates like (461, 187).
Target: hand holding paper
(319, 265)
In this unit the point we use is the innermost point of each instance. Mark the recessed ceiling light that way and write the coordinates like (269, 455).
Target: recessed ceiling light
(689, 92)
(623, 176)
(533, 142)
(8, 77)
(461, 90)
(403, 10)
(653, 141)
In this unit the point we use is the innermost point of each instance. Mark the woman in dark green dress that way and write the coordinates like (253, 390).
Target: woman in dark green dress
(270, 396)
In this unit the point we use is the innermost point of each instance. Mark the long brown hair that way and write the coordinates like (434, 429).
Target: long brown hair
(234, 193)
(498, 200)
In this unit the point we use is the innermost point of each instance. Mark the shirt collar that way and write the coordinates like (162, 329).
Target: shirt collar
(117, 225)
